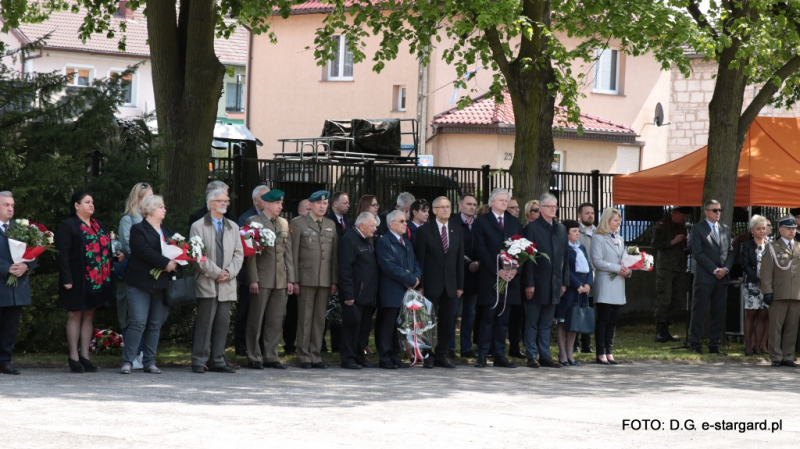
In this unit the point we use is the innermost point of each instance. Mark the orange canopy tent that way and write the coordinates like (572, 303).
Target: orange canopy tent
(769, 172)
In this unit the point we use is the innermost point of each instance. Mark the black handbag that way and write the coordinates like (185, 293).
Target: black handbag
(580, 318)
(180, 292)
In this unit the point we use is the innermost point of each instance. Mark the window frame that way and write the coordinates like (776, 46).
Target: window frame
(597, 85)
(240, 93)
(341, 50)
(402, 98)
(78, 67)
(133, 85)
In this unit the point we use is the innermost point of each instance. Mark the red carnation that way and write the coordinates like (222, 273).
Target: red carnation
(515, 237)
(529, 250)
(106, 344)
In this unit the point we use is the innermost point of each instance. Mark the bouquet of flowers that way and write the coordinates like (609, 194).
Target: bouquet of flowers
(416, 324)
(635, 259)
(517, 251)
(255, 237)
(334, 311)
(27, 241)
(179, 249)
(103, 339)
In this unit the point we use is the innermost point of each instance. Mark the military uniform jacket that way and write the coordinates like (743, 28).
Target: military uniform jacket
(274, 267)
(315, 251)
(669, 257)
(779, 266)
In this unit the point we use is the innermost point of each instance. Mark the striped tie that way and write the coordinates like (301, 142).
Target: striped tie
(444, 239)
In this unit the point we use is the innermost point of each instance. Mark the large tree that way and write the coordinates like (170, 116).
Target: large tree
(755, 43)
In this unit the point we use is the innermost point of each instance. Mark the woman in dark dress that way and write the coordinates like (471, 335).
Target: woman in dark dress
(84, 273)
(756, 310)
(577, 293)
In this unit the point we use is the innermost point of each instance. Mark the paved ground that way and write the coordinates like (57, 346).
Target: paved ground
(466, 407)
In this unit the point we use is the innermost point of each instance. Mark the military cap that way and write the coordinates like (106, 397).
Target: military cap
(319, 195)
(273, 196)
(787, 222)
(687, 210)
(795, 211)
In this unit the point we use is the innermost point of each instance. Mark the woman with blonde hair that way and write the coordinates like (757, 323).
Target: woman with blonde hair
(756, 320)
(532, 210)
(608, 247)
(132, 216)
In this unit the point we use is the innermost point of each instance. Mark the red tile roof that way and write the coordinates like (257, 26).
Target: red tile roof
(485, 111)
(63, 28)
(317, 7)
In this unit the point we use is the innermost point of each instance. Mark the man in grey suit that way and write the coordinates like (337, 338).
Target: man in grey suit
(712, 249)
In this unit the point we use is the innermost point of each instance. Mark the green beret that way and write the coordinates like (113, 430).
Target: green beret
(273, 196)
(320, 195)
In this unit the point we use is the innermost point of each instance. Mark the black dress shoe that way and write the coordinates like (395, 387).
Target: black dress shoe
(255, 365)
(388, 365)
(503, 363)
(305, 365)
(550, 363)
(366, 364)
(788, 363)
(776, 363)
(400, 364)
(88, 366)
(443, 364)
(481, 363)
(276, 365)
(696, 350)
(320, 365)
(715, 350)
(469, 354)
(451, 354)
(9, 369)
(75, 366)
(601, 362)
(613, 362)
(428, 363)
(223, 369)
(198, 369)
(532, 363)
(351, 365)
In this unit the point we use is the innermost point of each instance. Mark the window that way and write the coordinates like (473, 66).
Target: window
(127, 87)
(399, 98)
(606, 71)
(80, 77)
(234, 95)
(341, 68)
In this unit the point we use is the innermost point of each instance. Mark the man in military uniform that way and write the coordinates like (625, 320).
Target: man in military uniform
(669, 241)
(315, 249)
(780, 285)
(270, 276)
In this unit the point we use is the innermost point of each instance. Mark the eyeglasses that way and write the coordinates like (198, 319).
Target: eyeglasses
(716, 211)
(535, 210)
(399, 221)
(144, 185)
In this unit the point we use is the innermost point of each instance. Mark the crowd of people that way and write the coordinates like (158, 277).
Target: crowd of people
(370, 264)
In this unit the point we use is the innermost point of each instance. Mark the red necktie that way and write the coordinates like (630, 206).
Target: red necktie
(501, 222)
(402, 242)
(341, 222)
(444, 239)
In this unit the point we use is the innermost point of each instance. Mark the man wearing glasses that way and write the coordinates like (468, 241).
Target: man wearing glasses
(711, 248)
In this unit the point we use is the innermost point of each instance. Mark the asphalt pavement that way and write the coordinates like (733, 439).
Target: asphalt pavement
(587, 406)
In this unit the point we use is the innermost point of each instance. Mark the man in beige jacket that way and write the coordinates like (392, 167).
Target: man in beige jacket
(780, 285)
(215, 283)
(271, 277)
(315, 249)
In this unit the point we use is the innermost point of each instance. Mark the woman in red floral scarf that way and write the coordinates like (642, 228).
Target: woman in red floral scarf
(85, 281)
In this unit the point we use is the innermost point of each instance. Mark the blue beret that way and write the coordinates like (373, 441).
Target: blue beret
(320, 195)
(787, 222)
(273, 196)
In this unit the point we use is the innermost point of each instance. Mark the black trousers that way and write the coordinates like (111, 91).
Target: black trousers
(493, 330)
(355, 319)
(290, 325)
(240, 320)
(516, 321)
(605, 327)
(9, 324)
(389, 344)
(444, 307)
(708, 296)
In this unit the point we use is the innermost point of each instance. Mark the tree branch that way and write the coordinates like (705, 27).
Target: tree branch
(499, 56)
(698, 16)
(767, 91)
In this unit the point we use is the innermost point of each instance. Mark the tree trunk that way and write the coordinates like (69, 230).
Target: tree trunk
(725, 136)
(187, 83)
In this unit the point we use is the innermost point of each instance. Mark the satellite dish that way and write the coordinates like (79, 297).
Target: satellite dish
(659, 119)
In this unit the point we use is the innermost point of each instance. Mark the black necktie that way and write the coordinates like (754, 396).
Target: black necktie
(5, 228)
(319, 225)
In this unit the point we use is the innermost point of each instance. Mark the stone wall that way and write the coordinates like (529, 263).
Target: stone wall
(688, 108)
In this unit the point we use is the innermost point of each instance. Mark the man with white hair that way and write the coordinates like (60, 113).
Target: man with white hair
(404, 202)
(200, 213)
(240, 321)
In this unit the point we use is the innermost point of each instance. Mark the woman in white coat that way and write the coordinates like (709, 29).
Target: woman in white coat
(609, 294)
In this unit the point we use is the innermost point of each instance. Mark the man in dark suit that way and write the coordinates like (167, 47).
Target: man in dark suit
(358, 287)
(464, 221)
(545, 282)
(340, 205)
(712, 249)
(200, 213)
(400, 272)
(12, 298)
(440, 252)
(404, 201)
(490, 231)
(243, 305)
